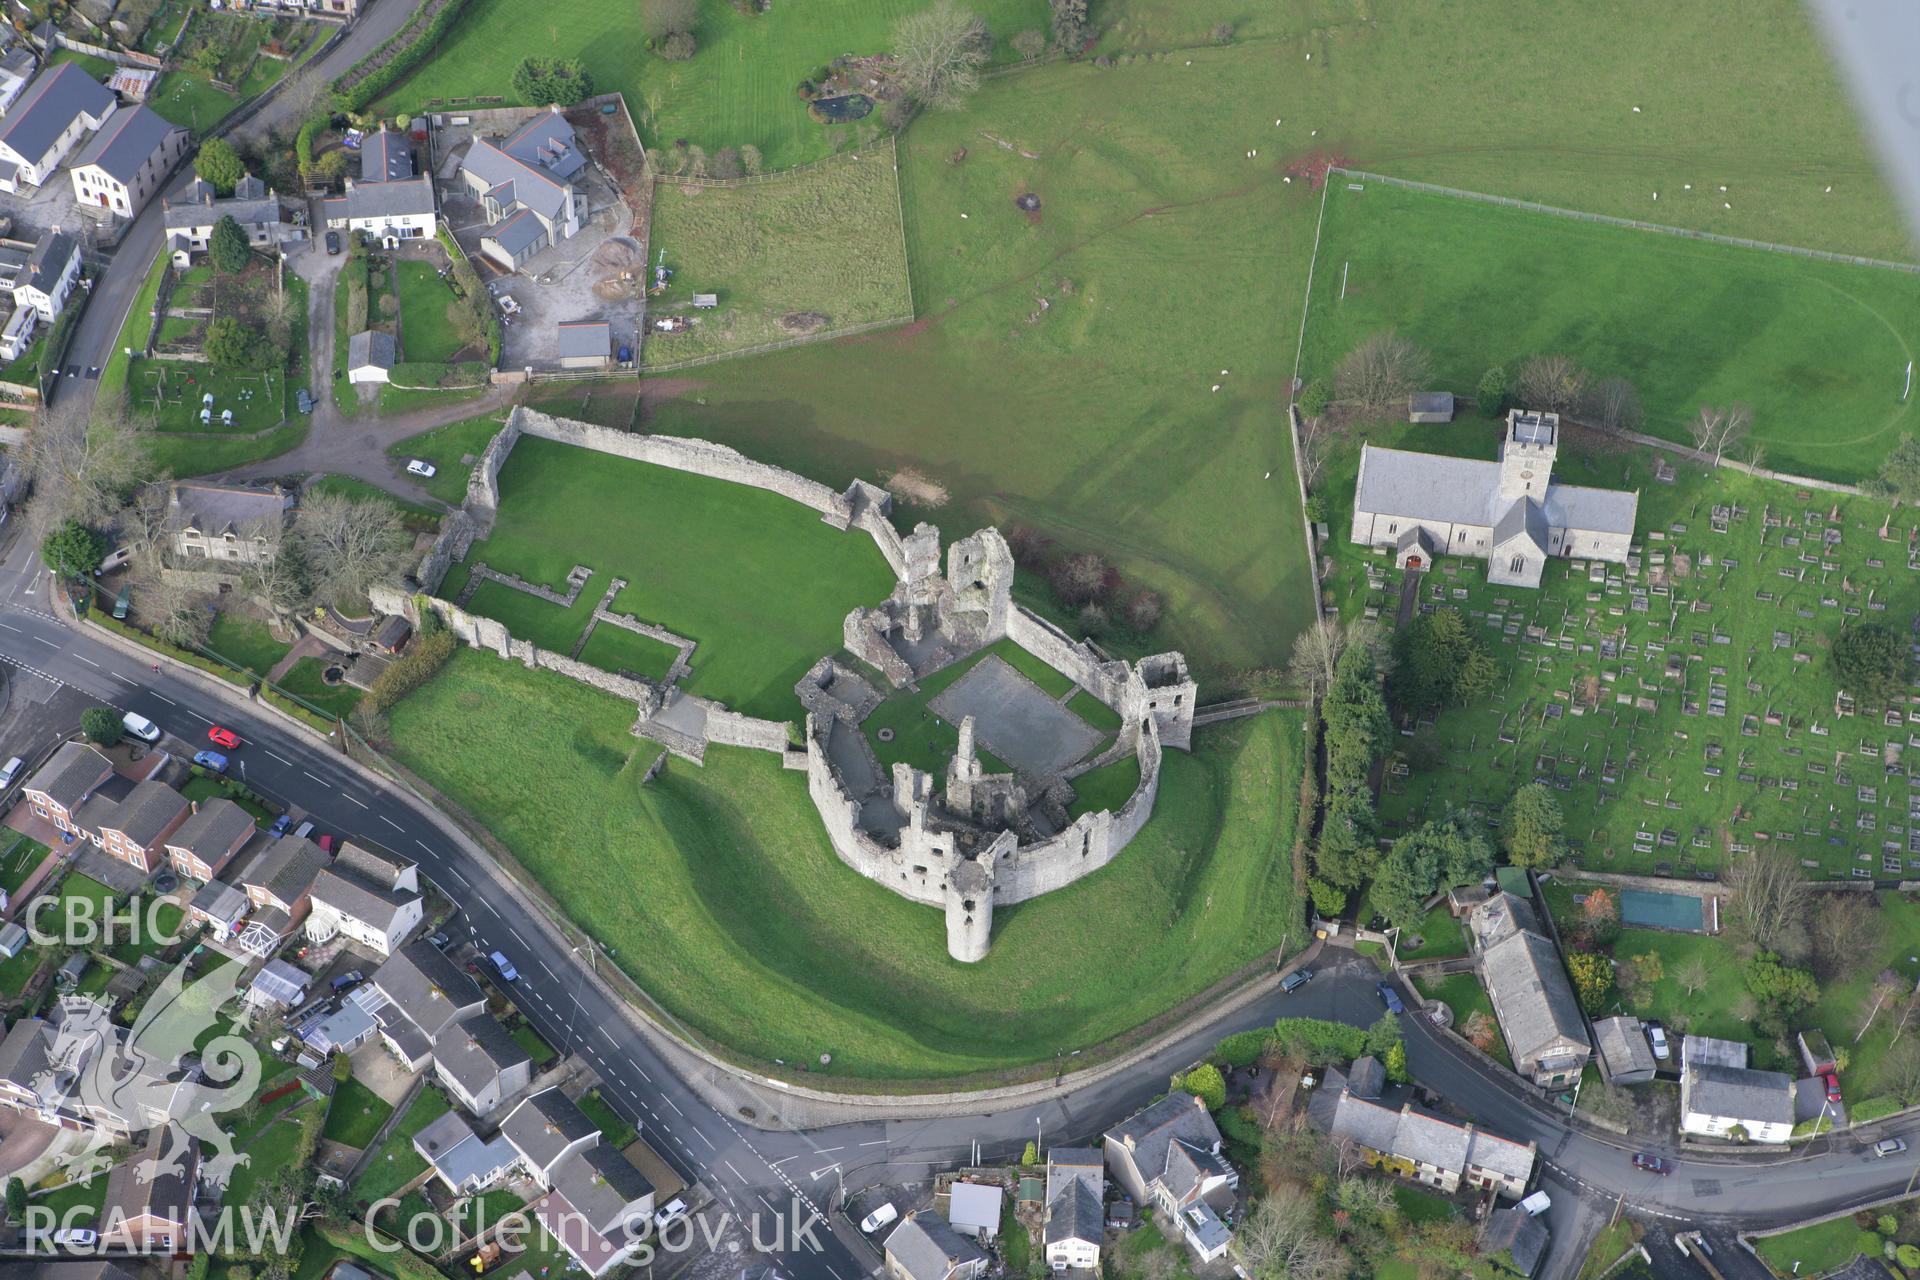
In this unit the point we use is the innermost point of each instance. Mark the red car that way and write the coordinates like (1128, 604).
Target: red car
(326, 844)
(1833, 1086)
(224, 737)
(1651, 1163)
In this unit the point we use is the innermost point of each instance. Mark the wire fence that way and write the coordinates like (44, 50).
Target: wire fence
(1636, 224)
(651, 367)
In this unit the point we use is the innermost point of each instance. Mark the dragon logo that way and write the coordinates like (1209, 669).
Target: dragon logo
(163, 1072)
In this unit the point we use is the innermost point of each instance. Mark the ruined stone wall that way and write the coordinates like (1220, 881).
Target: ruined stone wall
(731, 729)
(1106, 681)
(1093, 840)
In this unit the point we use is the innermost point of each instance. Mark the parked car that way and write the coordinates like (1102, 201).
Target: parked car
(325, 843)
(333, 242)
(675, 1208)
(122, 603)
(420, 467)
(1657, 1035)
(140, 727)
(281, 825)
(1832, 1082)
(438, 939)
(1537, 1203)
(1296, 980)
(503, 967)
(210, 760)
(304, 830)
(1390, 997)
(11, 771)
(76, 1238)
(350, 978)
(1652, 1163)
(879, 1218)
(1889, 1147)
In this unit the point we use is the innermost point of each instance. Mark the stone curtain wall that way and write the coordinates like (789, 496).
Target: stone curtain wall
(731, 729)
(1106, 681)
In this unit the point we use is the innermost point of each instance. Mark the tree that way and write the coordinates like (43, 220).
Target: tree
(1766, 903)
(1481, 1031)
(1871, 661)
(1600, 914)
(279, 581)
(74, 550)
(1082, 578)
(231, 345)
(1781, 991)
(1031, 1155)
(1848, 930)
(540, 81)
(101, 725)
(1614, 403)
(16, 1200)
(725, 163)
(1436, 855)
(1068, 18)
(1551, 384)
(662, 18)
(678, 47)
(1205, 1083)
(750, 160)
(1380, 373)
(1439, 662)
(1714, 431)
(1592, 979)
(228, 247)
(350, 543)
(331, 167)
(1282, 1238)
(1899, 1072)
(1143, 610)
(1396, 1063)
(1030, 44)
(83, 469)
(1531, 830)
(172, 609)
(1329, 900)
(1692, 974)
(1899, 474)
(1316, 653)
(938, 53)
(220, 165)
(1491, 394)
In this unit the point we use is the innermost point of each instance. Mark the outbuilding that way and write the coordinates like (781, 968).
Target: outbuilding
(1430, 406)
(584, 344)
(370, 357)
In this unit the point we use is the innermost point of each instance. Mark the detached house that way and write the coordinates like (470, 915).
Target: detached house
(1720, 1097)
(149, 1202)
(1076, 1190)
(370, 897)
(1169, 1156)
(208, 839)
(525, 183)
(279, 887)
(126, 162)
(60, 107)
(1532, 997)
(387, 201)
(60, 786)
(423, 994)
(227, 521)
(924, 1247)
(481, 1065)
(596, 1200)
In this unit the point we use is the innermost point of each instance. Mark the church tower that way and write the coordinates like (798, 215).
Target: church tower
(1527, 454)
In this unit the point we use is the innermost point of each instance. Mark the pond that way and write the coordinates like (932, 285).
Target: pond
(839, 110)
(1645, 909)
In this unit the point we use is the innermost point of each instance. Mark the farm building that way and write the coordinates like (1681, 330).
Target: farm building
(584, 344)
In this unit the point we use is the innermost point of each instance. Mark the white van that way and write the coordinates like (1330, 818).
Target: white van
(140, 727)
(1537, 1203)
(879, 1218)
(10, 772)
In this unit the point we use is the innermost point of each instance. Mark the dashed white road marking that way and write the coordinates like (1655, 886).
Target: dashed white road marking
(203, 720)
(89, 661)
(17, 631)
(43, 640)
(390, 822)
(704, 1138)
(361, 803)
(282, 759)
(170, 702)
(315, 777)
(735, 1172)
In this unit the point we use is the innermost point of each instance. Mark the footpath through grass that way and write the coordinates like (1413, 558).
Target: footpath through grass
(1817, 349)
(754, 933)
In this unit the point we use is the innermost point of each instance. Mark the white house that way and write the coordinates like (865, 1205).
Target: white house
(1076, 1191)
(387, 201)
(254, 206)
(1168, 1156)
(596, 1200)
(49, 278)
(1736, 1102)
(1507, 512)
(60, 107)
(369, 897)
(126, 161)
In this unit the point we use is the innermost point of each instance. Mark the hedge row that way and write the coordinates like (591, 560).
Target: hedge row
(425, 376)
(280, 701)
(421, 661)
(402, 52)
(139, 637)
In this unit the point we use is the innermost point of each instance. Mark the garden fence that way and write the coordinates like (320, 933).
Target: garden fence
(651, 367)
(1636, 224)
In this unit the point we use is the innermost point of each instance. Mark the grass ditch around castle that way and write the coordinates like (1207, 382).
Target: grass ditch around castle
(722, 898)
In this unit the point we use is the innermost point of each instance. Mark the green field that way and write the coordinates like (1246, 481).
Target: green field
(246, 643)
(737, 90)
(755, 579)
(445, 447)
(1817, 349)
(303, 681)
(825, 241)
(753, 933)
(427, 335)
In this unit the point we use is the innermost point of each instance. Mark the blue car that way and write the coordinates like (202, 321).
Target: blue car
(503, 967)
(281, 825)
(1390, 997)
(210, 760)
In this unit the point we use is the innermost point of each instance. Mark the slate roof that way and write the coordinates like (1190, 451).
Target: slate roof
(584, 338)
(385, 156)
(426, 986)
(544, 1125)
(351, 1024)
(926, 1248)
(356, 899)
(50, 257)
(477, 1051)
(215, 509)
(534, 187)
(73, 771)
(146, 811)
(1441, 489)
(1367, 1078)
(1523, 519)
(517, 232)
(1531, 994)
(1152, 1134)
(370, 347)
(459, 1154)
(220, 902)
(1572, 506)
(1518, 1234)
(125, 143)
(184, 215)
(212, 829)
(442, 1134)
(1622, 1046)
(1414, 1135)
(1737, 1093)
(167, 1194)
(249, 188)
(287, 869)
(103, 806)
(23, 1054)
(412, 197)
(547, 142)
(600, 1182)
(47, 106)
(1501, 916)
(1075, 1180)
(1701, 1050)
(373, 863)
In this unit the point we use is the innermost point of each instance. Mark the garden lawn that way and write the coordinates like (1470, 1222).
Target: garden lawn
(1817, 1249)
(188, 98)
(445, 447)
(1615, 1239)
(356, 1115)
(303, 682)
(738, 89)
(617, 1132)
(427, 336)
(19, 859)
(165, 918)
(756, 935)
(77, 1204)
(396, 1163)
(826, 240)
(527, 1038)
(754, 579)
(246, 643)
(1440, 935)
(270, 1146)
(184, 455)
(1462, 993)
(1819, 350)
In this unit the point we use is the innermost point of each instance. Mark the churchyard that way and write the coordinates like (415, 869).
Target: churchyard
(1681, 705)
(790, 257)
(1818, 350)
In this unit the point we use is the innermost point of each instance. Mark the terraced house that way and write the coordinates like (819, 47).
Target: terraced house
(256, 207)
(78, 792)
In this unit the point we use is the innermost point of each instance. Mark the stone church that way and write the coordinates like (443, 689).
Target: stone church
(1508, 512)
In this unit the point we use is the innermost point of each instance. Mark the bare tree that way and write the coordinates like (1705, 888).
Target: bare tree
(1553, 383)
(1888, 988)
(84, 469)
(1715, 430)
(1704, 428)
(1692, 974)
(1613, 403)
(1899, 1072)
(1282, 1237)
(1380, 373)
(1848, 929)
(1738, 422)
(1314, 448)
(1766, 903)
(279, 580)
(1158, 1264)
(938, 54)
(171, 609)
(1317, 650)
(349, 543)
(1754, 453)
(1082, 578)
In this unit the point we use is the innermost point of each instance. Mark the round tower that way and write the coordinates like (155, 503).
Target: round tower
(969, 911)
